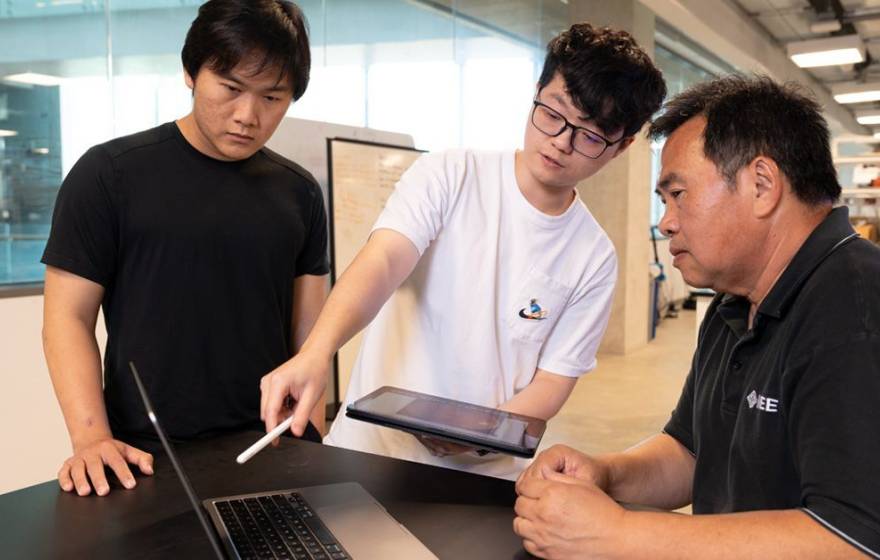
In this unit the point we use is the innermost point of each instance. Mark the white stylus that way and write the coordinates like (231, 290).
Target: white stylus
(264, 441)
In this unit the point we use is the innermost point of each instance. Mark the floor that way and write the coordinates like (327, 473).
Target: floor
(627, 398)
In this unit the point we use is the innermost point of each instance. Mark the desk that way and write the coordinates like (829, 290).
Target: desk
(457, 515)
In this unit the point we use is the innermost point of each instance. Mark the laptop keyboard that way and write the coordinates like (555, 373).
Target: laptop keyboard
(278, 526)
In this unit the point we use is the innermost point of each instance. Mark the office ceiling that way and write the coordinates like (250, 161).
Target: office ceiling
(791, 20)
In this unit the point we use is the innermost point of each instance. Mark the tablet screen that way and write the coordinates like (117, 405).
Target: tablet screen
(454, 418)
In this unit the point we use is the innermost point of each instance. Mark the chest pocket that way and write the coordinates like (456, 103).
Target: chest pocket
(537, 302)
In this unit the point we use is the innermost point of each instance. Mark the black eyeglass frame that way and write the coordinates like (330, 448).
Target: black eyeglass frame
(574, 128)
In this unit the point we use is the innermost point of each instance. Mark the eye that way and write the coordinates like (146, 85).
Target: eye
(590, 137)
(231, 88)
(550, 114)
(272, 98)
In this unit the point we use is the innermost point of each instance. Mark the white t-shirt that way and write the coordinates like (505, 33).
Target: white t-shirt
(454, 328)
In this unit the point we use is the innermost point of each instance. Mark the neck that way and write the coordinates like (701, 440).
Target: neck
(784, 240)
(550, 200)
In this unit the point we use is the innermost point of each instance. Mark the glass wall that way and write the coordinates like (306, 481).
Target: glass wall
(680, 74)
(75, 73)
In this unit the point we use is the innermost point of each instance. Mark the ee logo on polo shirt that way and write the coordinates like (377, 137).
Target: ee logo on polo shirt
(763, 403)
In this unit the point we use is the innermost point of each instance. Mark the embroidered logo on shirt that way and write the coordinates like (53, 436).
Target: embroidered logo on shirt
(763, 403)
(534, 313)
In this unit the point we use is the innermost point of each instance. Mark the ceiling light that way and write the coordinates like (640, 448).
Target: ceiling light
(856, 93)
(845, 49)
(8, 133)
(34, 79)
(877, 135)
(868, 117)
(825, 26)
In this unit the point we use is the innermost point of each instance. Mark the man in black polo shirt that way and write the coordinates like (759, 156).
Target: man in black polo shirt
(207, 252)
(775, 434)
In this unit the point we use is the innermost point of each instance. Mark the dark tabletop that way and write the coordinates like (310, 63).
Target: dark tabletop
(457, 515)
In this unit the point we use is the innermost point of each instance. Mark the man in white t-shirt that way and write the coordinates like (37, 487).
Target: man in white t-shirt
(485, 278)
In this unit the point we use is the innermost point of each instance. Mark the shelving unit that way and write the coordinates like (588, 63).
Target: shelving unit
(863, 202)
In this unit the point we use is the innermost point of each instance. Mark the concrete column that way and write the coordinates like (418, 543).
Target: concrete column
(619, 195)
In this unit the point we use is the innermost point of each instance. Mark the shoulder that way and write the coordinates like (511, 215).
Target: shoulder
(291, 171)
(133, 143)
(842, 295)
(460, 161)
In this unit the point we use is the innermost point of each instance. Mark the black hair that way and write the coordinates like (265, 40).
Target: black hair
(607, 75)
(226, 32)
(747, 117)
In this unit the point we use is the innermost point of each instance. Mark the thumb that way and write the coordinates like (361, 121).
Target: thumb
(142, 459)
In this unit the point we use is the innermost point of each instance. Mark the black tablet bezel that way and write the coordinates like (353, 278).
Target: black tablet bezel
(399, 423)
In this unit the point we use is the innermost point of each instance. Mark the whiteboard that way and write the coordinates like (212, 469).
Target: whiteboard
(305, 142)
(362, 177)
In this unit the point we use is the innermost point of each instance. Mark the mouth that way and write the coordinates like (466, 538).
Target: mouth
(676, 253)
(551, 162)
(243, 138)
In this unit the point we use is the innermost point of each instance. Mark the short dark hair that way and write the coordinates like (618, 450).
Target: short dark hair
(607, 75)
(747, 117)
(225, 32)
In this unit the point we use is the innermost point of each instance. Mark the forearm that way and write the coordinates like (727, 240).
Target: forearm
(74, 362)
(543, 397)
(757, 534)
(658, 472)
(379, 268)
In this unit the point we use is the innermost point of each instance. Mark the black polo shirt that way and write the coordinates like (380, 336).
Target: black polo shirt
(787, 414)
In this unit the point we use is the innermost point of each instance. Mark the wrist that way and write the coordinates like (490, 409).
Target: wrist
(316, 352)
(87, 436)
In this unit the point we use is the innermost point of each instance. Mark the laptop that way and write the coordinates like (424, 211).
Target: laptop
(329, 522)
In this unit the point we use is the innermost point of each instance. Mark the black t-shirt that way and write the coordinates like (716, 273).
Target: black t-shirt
(785, 415)
(197, 258)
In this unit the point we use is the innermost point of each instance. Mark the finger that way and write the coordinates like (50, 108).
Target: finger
(565, 479)
(533, 487)
(303, 410)
(64, 479)
(78, 473)
(523, 527)
(532, 548)
(95, 469)
(524, 507)
(274, 401)
(117, 464)
(264, 396)
(142, 459)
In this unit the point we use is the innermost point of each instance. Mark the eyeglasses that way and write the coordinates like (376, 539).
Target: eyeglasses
(583, 140)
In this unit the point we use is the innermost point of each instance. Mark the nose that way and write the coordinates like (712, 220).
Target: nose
(246, 113)
(563, 141)
(668, 223)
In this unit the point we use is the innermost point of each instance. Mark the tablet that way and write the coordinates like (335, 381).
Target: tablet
(484, 428)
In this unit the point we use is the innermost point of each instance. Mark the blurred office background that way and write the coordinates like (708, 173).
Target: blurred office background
(74, 73)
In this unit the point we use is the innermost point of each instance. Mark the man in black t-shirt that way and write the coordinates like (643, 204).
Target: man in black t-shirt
(775, 439)
(206, 251)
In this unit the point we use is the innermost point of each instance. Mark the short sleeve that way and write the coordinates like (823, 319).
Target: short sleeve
(313, 259)
(84, 237)
(571, 346)
(835, 434)
(681, 423)
(418, 205)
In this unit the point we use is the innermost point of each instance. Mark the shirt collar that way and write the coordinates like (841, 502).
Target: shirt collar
(834, 230)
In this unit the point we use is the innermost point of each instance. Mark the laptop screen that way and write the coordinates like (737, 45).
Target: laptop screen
(181, 475)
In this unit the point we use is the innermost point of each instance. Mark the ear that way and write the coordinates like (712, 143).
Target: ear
(623, 145)
(188, 80)
(768, 186)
